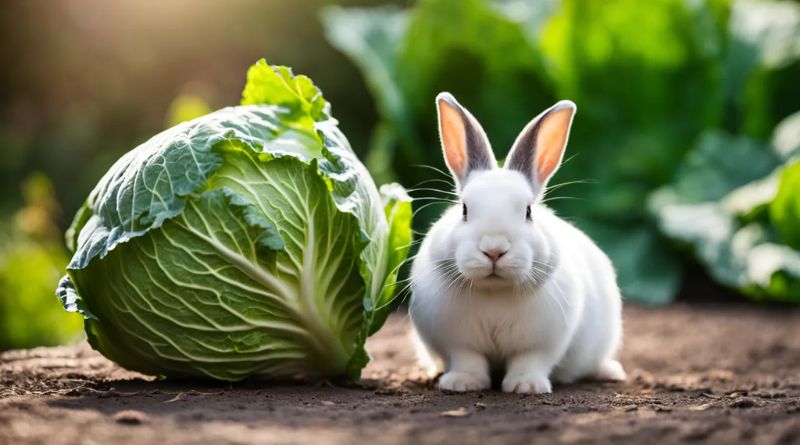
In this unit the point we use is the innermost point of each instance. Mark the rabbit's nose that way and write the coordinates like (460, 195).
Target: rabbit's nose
(494, 247)
(494, 254)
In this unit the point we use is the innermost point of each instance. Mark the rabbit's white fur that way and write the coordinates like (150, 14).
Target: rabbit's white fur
(549, 307)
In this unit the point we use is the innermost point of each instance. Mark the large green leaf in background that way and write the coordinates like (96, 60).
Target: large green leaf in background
(785, 209)
(734, 204)
(649, 78)
(250, 241)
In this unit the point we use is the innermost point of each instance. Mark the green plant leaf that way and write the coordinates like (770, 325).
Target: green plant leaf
(728, 200)
(784, 211)
(721, 163)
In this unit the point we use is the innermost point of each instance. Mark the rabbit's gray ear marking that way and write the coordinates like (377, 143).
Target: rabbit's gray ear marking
(466, 147)
(539, 148)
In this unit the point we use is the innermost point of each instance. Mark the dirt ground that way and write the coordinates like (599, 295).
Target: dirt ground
(697, 374)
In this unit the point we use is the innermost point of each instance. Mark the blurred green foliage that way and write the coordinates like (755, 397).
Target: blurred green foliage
(733, 203)
(88, 80)
(185, 108)
(32, 258)
(785, 209)
(658, 84)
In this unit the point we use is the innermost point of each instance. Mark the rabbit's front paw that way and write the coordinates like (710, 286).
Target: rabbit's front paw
(527, 384)
(463, 381)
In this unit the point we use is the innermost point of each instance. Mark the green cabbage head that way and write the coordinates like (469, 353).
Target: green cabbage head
(250, 241)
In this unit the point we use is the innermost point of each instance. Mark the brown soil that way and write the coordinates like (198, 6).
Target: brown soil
(698, 373)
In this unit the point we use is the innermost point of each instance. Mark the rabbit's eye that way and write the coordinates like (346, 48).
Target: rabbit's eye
(527, 213)
(464, 211)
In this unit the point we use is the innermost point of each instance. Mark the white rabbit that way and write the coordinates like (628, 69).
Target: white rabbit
(501, 282)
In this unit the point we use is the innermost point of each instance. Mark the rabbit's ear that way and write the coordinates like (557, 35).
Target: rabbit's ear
(466, 147)
(538, 150)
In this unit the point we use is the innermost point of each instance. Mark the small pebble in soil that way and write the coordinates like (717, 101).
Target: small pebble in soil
(459, 412)
(480, 406)
(178, 397)
(702, 407)
(743, 402)
(130, 417)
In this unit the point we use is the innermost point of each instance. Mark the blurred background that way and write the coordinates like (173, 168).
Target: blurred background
(683, 161)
